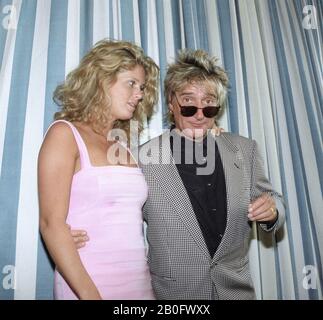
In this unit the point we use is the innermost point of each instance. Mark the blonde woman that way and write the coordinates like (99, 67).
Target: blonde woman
(81, 184)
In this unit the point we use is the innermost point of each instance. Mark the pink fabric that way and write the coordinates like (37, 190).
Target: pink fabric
(107, 202)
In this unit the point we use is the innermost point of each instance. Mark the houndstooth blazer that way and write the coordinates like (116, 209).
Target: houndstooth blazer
(180, 264)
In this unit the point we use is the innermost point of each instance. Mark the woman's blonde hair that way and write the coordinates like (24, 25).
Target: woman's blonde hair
(84, 95)
(195, 66)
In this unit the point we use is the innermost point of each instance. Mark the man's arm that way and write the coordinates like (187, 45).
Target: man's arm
(267, 206)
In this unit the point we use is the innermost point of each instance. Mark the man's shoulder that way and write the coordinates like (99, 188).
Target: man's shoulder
(238, 140)
(234, 137)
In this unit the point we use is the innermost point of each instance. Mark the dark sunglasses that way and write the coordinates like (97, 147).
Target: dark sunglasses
(189, 111)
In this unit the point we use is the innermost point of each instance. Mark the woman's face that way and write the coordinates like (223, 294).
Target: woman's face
(126, 93)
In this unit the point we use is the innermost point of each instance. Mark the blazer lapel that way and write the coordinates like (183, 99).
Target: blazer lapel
(167, 176)
(232, 162)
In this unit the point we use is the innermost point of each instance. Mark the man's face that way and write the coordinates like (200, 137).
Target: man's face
(198, 94)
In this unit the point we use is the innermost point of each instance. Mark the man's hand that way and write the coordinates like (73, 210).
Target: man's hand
(80, 237)
(263, 209)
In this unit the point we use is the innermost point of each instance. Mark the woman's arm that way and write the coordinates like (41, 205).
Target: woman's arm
(56, 165)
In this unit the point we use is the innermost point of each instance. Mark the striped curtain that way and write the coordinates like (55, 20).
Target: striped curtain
(272, 50)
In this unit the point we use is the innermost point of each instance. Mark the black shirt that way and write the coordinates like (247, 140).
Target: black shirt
(207, 192)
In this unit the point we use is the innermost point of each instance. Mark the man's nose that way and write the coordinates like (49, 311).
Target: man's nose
(199, 114)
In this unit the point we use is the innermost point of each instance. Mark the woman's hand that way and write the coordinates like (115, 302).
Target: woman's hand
(216, 131)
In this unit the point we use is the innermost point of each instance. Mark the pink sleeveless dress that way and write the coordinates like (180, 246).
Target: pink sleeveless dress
(107, 203)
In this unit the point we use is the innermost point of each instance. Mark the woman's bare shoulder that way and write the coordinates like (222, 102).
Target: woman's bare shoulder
(60, 137)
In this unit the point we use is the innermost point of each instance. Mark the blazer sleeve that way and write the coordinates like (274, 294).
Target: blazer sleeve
(260, 184)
